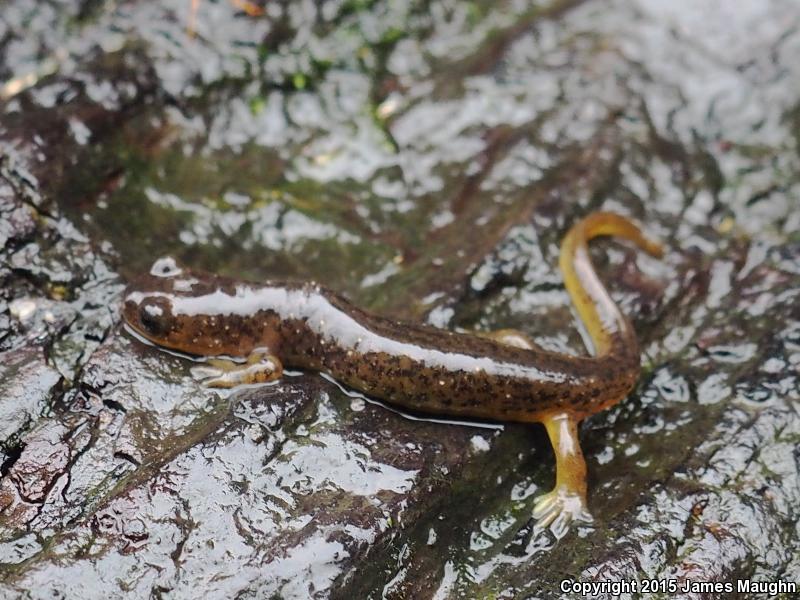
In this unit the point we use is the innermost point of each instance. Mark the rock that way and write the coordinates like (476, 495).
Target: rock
(425, 160)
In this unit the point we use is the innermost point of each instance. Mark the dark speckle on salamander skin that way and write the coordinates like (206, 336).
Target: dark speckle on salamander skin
(415, 366)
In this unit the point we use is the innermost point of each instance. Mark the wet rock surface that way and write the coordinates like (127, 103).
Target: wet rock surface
(425, 159)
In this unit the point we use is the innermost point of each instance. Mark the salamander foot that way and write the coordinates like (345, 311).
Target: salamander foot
(260, 367)
(558, 509)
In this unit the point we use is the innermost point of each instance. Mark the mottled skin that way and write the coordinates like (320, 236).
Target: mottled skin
(497, 376)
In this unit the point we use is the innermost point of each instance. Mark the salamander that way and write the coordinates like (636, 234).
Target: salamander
(500, 376)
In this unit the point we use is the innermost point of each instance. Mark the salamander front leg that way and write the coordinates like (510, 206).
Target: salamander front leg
(261, 367)
(567, 501)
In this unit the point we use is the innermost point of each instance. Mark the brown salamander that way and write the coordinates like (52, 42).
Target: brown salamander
(499, 376)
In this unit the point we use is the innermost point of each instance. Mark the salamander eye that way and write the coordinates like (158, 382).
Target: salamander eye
(155, 316)
(166, 267)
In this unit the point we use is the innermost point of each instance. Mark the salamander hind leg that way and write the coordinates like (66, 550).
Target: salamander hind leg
(509, 337)
(567, 502)
(261, 367)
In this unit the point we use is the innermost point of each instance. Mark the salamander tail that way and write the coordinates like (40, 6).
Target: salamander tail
(610, 331)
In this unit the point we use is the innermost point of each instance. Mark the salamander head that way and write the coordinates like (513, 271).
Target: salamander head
(184, 310)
